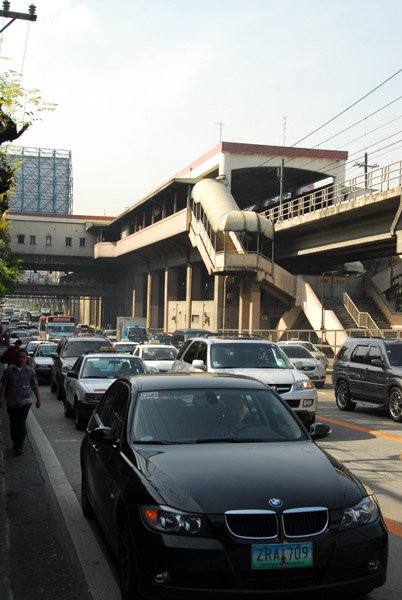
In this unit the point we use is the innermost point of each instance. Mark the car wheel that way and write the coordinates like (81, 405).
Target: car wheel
(53, 386)
(342, 395)
(59, 390)
(80, 422)
(85, 503)
(127, 568)
(395, 405)
(68, 411)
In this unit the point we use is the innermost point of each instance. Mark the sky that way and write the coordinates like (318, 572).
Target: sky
(141, 85)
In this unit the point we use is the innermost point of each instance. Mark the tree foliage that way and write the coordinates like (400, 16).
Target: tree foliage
(19, 108)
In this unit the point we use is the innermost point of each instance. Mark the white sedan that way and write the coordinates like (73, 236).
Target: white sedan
(89, 379)
(41, 361)
(158, 357)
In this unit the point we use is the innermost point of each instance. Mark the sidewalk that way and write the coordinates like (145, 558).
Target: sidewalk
(37, 558)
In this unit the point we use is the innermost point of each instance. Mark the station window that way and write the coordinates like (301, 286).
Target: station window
(21, 239)
(68, 241)
(48, 240)
(82, 242)
(32, 240)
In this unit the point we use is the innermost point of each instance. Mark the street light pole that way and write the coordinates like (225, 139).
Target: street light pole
(322, 297)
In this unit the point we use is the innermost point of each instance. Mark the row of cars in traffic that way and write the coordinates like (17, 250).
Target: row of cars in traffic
(204, 480)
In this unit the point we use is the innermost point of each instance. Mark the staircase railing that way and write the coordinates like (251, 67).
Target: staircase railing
(362, 319)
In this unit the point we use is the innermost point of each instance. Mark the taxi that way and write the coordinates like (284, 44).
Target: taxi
(91, 376)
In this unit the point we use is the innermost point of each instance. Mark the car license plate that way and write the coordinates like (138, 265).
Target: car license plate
(282, 556)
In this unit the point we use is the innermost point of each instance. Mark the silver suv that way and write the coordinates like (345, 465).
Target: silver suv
(260, 359)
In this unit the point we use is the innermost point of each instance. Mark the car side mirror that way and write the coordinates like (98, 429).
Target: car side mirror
(298, 365)
(54, 355)
(318, 431)
(198, 364)
(72, 374)
(377, 362)
(103, 435)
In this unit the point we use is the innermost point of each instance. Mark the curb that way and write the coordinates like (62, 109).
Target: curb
(5, 570)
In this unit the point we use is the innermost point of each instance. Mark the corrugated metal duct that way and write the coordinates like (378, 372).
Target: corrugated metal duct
(224, 214)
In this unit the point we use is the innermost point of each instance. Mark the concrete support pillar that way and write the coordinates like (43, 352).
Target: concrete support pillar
(244, 301)
(154, 300)
(166, 301)
(138, 296)
(255, 307)
(149, 300)
(219, 300)
(189, 274)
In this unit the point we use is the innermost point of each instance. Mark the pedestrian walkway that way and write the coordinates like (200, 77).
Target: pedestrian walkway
(37, 558)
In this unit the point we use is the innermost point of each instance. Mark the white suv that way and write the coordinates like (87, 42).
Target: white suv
(261, 359)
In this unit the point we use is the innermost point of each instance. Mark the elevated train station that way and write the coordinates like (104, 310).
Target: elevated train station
(208, 248)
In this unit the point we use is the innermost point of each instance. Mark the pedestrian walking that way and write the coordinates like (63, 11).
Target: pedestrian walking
(18, 382)
(9, 357)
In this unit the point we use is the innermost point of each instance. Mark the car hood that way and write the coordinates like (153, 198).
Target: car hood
(43, 360)
(214, 478)
(161, 365)
(268, 376)
(95, 385)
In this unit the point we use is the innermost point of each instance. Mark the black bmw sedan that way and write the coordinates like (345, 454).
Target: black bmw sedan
(209, 483)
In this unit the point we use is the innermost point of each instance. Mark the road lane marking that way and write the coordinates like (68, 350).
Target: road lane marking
(359, 428)
(393, 526)
(101, 581)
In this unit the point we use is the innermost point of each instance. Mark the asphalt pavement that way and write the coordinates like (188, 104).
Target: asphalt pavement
(37, 558)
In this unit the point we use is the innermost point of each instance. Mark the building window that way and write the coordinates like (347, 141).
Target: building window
(32, 240)
(48, 240)
(21, 239)
(82, 242)
(68, 241)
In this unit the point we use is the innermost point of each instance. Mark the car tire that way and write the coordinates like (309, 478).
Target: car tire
(126, 562)
(68, 411)
(86, 507)
(342, 396)
(394, 404)
(59, 390)
(80, 422)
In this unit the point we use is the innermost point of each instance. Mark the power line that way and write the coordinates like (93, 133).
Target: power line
(338, 115)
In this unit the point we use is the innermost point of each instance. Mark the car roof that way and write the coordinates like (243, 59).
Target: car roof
(165, 381)
(237, 340)
(92, 338)
(109, 355)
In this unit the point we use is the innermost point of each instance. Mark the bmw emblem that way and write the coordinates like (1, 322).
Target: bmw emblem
(275, 502)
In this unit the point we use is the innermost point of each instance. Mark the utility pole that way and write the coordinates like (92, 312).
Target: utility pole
(6, 12)
(366, 167)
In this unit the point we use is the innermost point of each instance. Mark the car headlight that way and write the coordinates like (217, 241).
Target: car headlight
(366, 511)
(304, 385)
(92, 397)
(168, 520)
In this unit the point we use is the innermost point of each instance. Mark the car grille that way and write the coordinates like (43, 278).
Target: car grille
(281, 388)
(293, 403)
(266, 524)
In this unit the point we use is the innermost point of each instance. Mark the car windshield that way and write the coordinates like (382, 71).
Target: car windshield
(294, 351)
(112, 367)
(394, 353)
(46, 349)
(159, 353)
(19, 334)
(248, 355)
(212, 415)
(75, 349)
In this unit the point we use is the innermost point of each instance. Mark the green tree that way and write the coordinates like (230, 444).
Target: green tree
(19, 108)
